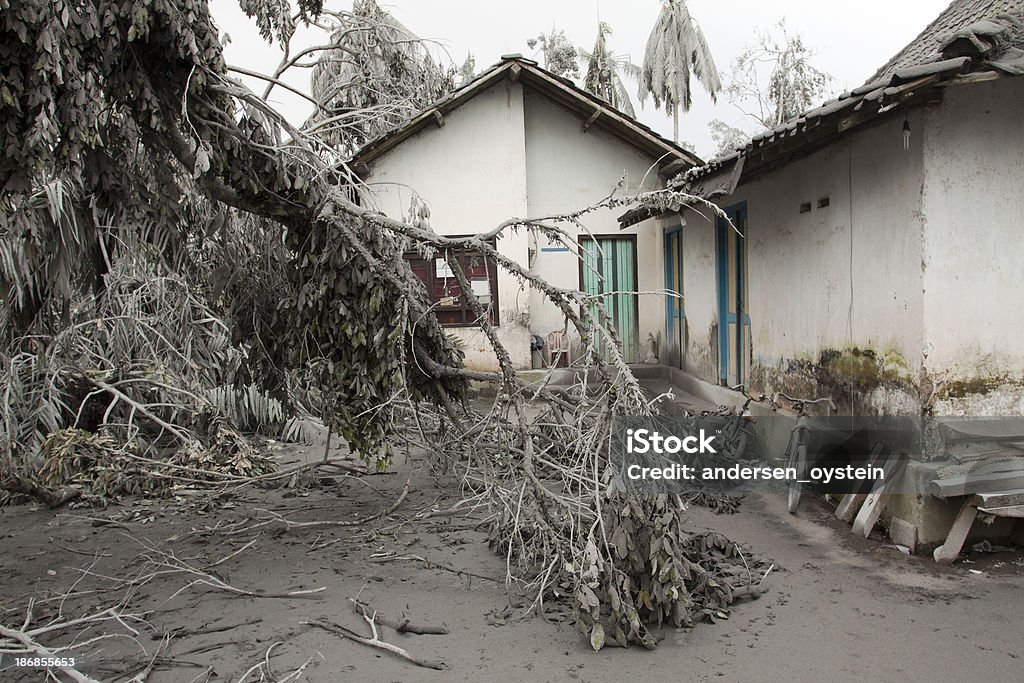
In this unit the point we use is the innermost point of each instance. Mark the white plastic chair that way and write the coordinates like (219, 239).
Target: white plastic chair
(559, 344)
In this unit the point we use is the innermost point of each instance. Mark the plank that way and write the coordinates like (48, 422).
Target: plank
(849, 506)
(1000, 454)
(1003, 429)
(950, 550)
(851, 502)
(977, 483)
(1007, 511)
(992, 499)
(876, 501)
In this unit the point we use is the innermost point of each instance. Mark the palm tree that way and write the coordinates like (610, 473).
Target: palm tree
(604, 72)
(675, 49)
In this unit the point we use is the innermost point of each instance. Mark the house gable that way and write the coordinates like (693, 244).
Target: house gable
(673, 158)
(571, 165)
(470, 172)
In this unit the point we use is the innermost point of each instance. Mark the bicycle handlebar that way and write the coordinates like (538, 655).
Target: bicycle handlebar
(804, 401)
(763, 398)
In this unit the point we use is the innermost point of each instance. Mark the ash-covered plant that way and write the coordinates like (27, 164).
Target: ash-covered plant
(654, 573)
(375, 75)
(625, 564)
(147, 365)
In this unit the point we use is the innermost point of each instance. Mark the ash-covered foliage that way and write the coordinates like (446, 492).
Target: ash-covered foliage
(656, 573)
(147, 369)
(130, 105)
(376, 75)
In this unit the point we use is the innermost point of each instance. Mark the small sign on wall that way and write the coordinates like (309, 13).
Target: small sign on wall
(482, 290)
(442, 269)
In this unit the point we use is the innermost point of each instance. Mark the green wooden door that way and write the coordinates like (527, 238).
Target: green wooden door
(608, 271)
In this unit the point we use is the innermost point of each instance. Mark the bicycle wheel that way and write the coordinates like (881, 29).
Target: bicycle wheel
(735, 437)
(799, 461)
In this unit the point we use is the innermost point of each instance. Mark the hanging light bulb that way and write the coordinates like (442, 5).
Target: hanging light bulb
(906, 134)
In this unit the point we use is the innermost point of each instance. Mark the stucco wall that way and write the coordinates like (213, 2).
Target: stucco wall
(834, 293)
(700, 289)
(471, 173)
(973, 203)
(568, 169)
(901, 296)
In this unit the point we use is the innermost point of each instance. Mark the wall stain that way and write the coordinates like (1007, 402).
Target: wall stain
(713, 360)
(868, 381)
(859, 380)
(976, 386)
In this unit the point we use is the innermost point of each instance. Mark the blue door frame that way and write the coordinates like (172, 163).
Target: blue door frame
(675, 309)
(733, 316)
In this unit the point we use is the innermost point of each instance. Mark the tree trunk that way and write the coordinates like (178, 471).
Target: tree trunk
(675, 122)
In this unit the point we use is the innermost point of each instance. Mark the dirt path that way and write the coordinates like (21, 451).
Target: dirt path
(837, 609)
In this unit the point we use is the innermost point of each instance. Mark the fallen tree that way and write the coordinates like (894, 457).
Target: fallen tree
(132, 105)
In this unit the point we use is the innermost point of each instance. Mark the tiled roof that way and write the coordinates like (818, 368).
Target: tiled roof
(960, 13)
(871, 98)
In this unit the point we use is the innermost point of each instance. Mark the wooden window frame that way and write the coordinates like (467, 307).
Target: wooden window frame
(460, 314)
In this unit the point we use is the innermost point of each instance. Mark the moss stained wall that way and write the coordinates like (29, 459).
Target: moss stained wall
(973, 272)
(834, 292)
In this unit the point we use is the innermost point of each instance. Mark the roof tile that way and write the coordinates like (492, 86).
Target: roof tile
(926, 46)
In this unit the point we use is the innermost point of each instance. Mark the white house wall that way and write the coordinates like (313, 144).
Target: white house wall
(471, 173)
(834, 293)
(700, 289)
(568, 169)
(973, 203)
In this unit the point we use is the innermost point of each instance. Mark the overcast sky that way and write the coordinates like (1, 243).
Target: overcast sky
(852, 39)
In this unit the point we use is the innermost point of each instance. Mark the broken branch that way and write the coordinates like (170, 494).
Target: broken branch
(377, 643)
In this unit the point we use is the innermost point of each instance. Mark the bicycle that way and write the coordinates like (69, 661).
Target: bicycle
(735, 433)
(796, 451)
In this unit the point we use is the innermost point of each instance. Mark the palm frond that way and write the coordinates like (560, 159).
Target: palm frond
(149, 362)
(622, 102)
(675, 48)
(604, 71)
(41, 244)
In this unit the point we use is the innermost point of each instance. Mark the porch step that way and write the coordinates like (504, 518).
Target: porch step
(644, 372)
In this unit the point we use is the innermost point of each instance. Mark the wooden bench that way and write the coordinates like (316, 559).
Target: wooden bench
(1007, 503)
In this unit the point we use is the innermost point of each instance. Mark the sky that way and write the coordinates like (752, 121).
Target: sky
(851, 39)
